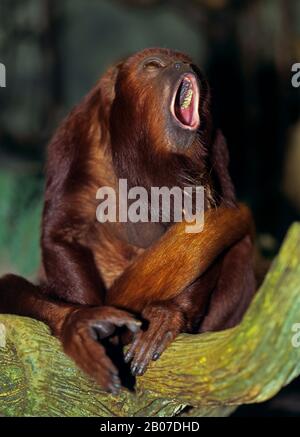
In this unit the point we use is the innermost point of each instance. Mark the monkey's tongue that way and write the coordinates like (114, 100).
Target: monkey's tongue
(185, 113)
(184, 107)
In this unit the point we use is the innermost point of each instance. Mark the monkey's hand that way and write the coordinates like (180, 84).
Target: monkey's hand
(165, 323)
(81, 334)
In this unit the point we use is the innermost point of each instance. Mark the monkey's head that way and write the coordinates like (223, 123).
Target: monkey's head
(160, 108)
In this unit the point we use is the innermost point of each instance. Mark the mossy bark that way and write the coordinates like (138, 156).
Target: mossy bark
(212, 373)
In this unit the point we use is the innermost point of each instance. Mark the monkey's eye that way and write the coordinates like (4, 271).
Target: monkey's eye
(153, 64)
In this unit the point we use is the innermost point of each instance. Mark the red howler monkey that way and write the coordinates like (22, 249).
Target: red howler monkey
(147, 120)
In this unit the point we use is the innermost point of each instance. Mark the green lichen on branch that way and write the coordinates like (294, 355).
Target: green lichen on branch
(212, 372)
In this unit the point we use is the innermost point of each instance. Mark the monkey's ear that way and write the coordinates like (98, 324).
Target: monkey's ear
(106, 84)
(104, 93)
(220, 165)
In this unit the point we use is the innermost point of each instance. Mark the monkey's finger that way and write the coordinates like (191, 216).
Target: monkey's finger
(134, 327)
(168, 338)
(95, 353)
(132, 348)
(106, 323)
(103, 329)
(104, 372)
(144, 352)
(90, 356)
(151, 349)
(132, 324)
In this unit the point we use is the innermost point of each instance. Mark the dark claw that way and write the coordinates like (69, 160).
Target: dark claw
(115, 385)
(116, 380)
(134, 370)
(114, 390)
(155, 356)
(127, 357)
(141, 371)
(134, 326)
(115, 373)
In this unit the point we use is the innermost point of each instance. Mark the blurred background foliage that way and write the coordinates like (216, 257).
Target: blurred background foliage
(54, 51)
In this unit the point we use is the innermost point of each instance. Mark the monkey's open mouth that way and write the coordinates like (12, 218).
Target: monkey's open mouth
(185, 102)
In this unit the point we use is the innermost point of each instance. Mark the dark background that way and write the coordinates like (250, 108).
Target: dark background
(54, 51)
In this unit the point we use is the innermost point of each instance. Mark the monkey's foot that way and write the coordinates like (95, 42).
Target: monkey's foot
(80, 334)
(165, 323)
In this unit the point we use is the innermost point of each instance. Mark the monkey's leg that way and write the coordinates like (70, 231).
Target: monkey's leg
(78, 327)
(235, 289)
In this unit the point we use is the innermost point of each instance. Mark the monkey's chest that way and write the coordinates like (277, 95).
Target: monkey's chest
(112, 253)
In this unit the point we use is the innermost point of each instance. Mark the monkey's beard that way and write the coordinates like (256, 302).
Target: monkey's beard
(185, 102)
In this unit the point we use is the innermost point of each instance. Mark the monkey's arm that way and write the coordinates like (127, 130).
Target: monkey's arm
(71, 274)
(174, 281)
(164, 270)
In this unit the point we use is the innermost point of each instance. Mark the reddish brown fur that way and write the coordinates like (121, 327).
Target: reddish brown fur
(176, 281)
(157, 267)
